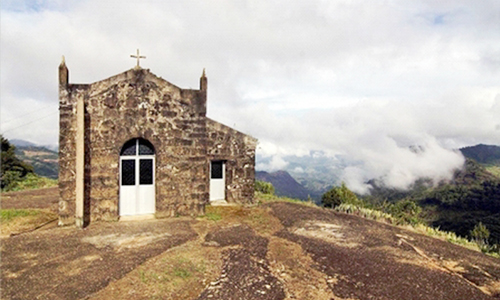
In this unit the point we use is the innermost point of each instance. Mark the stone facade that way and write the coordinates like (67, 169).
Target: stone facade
(138, 104)
(233, 147)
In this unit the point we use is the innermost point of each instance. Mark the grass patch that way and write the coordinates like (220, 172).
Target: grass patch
(366, 213)
(142, 276)
(212, 214)
(267, 198)
(184, 268)
(259, 218)
(9, 214)
(445, 235)
(19, 220)
(31, 182)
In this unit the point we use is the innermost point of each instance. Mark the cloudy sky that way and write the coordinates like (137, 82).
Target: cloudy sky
(363, 79)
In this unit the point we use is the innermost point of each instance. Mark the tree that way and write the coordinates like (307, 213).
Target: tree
(338, 195)
(13, 169)
(331, 198)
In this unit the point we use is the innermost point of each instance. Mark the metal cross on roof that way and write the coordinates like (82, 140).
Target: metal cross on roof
(138, 58)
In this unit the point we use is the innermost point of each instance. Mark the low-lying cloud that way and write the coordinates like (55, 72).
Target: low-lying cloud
(394, 142)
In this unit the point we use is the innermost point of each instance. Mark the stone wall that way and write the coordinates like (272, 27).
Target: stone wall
(238, 150)
(138, 104)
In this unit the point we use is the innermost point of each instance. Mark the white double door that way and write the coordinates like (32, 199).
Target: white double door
(137, 185)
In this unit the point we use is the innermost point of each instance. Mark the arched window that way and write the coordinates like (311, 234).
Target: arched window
(137, 147)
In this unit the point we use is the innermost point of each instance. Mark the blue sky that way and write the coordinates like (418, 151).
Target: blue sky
(361, 79)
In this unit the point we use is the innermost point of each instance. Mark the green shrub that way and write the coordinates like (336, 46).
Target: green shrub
(10, 179)
(480, 234)
(405, 211)
(264, 187)
(339, 195)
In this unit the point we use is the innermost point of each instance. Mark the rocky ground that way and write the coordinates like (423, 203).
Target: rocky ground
(275, 250)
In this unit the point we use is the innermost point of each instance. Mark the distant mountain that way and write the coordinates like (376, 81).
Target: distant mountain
(21, 143)
(284, 184)
(483, 154)
(44, 159)
(24, 143)
(45, 162)
(317, 172)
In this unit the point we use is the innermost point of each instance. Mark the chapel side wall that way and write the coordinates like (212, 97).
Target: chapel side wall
(238, 150)
(138, 104)
(68, 96)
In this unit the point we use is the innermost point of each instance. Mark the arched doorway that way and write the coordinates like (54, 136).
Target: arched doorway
(137, 178)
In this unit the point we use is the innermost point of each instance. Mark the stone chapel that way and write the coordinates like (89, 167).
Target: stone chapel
(137, 145)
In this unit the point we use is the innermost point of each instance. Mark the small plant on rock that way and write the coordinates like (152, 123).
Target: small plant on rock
(480, 234)
(264, 187)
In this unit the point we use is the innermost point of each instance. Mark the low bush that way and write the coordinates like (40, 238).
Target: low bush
(339, 195)
(264, 187)
(480, 234)
(405, 212)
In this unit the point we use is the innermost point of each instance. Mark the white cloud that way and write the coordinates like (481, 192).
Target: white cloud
(276, 163)
(298, 170)
(379, 136)
(365, 80)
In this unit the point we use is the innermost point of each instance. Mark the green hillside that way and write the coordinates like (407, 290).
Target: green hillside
(45, 162)
(17, 173)
(472, 196)
(495, 170)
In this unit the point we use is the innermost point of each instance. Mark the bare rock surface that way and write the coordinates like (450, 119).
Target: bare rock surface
(369, 260)
(278, 250)
(245, 273)
(70, 263)
(244, 276)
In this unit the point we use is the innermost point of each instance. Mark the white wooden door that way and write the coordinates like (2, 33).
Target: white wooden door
(137, 178)
(217, 180)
